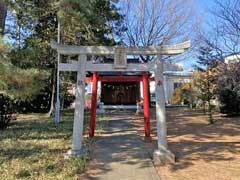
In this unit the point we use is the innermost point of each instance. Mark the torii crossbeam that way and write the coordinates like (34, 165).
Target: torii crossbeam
(162, 154)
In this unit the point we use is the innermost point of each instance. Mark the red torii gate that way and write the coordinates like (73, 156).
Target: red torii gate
(120, 78)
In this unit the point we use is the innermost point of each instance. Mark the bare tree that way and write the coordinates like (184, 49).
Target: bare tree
(228, 24)
(224, 34)
(156, 22)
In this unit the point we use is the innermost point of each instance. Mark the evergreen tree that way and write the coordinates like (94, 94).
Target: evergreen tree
(205, 78)
(17, 82)
(228, 88)
(90, 22)
(35, 25)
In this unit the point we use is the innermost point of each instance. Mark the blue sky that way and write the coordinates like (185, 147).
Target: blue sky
(205, 6)
(202, 8)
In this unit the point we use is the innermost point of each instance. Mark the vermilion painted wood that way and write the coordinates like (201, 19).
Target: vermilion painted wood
(93, 105)
(146, 105)
(89, 79)
(119, 78)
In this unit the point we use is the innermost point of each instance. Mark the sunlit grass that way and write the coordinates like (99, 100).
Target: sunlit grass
(33, 147)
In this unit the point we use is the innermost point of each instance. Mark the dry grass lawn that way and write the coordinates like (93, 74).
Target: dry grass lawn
(33, 148)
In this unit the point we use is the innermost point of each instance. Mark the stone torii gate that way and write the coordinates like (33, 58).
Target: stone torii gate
(81, 66)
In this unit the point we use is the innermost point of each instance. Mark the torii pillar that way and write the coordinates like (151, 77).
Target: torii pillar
(146, 104)
(79, 109)
(162, 155)
(93, 105)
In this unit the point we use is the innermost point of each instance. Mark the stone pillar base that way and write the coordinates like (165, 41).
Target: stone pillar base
(163, 156)
(74, 153)
(139, 112)
(100, 111)
(139, 109)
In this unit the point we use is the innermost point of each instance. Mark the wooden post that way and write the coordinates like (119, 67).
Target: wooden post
(160, 104)
(79, 108)
(93, 105)
(146, 104)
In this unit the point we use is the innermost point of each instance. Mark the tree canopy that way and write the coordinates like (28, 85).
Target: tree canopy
(30, 27)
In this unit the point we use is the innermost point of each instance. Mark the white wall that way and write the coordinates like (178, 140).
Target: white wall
(169, 81)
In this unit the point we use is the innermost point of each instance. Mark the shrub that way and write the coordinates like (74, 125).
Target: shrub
(6, 111)
(40, 103)
(185, 94)
(229, 89)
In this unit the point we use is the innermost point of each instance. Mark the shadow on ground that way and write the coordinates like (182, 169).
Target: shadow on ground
(191, 138)
(119, 145)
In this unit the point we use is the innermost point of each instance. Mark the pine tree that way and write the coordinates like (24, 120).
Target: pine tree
(35, 25)
(205, 78)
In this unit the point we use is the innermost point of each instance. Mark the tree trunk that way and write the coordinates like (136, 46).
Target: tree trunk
(3, 15)
(191, 105)
(210, 113)
(204, 107)
(53, 94)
